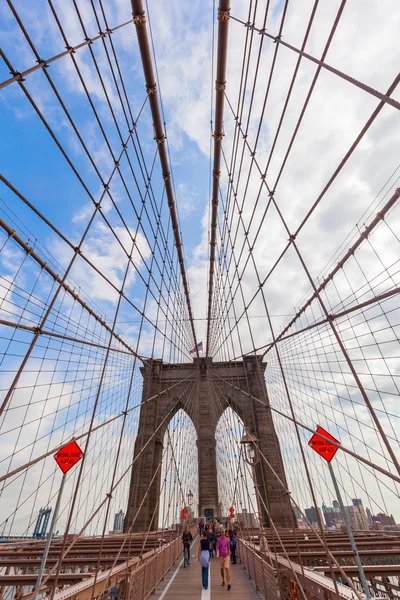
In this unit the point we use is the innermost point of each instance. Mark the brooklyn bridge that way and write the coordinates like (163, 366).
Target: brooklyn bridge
(199, 299)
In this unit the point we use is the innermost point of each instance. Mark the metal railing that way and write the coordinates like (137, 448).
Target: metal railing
(135, 579)
(263, 574)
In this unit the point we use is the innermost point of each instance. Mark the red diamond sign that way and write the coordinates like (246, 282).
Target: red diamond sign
(323, 447)
(68, 456)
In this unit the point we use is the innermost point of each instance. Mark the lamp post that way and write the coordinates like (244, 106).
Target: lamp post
(252, 457)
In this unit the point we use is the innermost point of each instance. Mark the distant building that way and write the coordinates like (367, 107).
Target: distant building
(384, 522)
(312, 515)
(355, 513)
(119, 522)
(332, 515)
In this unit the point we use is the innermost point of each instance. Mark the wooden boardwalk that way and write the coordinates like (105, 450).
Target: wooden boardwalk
(185, 584)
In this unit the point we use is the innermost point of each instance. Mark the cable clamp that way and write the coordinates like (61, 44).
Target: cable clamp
(29, 251)
(89, 40)
(106, 186)
(380, 215)
(70, 49)
(151, 89)
(18, 75)
(160, 140)
(220, 87)
(139, 19)
(216, 174)
(108, 31)
(12, 234)
(277, 39)
(42, 63)
(364, 234)
(109, 495)
(78, 250)
(244, 136)
(37, 330)
(262, 31)
(218, 137)
(330, 318)
(253, 154)
(292, 237)
(224, 15)
(167, 177)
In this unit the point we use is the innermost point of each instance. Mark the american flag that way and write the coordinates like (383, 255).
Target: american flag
(198, 348)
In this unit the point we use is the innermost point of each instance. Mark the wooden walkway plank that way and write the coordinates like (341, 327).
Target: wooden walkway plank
(185, 584)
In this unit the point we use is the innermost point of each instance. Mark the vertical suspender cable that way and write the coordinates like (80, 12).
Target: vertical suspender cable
(220, 84)
(139, 20)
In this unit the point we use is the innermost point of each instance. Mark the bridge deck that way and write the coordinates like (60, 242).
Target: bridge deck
(182, 584)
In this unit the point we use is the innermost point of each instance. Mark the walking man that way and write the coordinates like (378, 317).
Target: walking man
(223, 550)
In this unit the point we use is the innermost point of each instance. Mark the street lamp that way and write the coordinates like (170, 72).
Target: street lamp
(252, 457)
(190, 497)
(251, 453)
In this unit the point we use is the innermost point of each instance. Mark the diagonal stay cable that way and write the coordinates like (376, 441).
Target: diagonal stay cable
(321, 63)
(139, 20)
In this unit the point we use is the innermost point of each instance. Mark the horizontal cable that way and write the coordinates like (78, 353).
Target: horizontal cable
(43, 64)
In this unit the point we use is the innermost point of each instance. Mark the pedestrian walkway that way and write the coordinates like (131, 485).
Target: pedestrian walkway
(185, 584)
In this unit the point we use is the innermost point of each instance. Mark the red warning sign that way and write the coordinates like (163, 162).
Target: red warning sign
(323, 447)
(68, 456)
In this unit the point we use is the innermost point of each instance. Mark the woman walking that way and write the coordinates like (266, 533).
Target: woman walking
(204, 558)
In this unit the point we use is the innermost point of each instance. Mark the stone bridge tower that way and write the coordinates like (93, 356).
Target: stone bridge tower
(217, 386)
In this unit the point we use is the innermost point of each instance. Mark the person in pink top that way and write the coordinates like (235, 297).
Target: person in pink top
(223, 549)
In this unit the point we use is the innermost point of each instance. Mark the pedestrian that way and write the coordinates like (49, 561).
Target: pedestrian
(187, 539)
(217, 535)
(201, 526)
(233, 541)
(211, 539)
(223, 549)
(204, 558)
